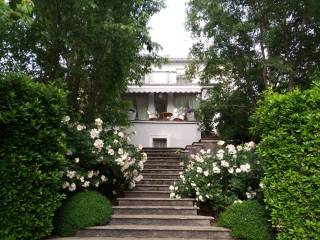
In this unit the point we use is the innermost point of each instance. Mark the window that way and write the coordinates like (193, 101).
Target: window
(159, 142)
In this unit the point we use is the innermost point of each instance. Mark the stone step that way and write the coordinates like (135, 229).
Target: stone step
(161, 175)
(150, 187)
(147, 194)
(160, 164)
(161, 220)
(115, 238)
(146, 231)
(186, 202)
(158, 181)
(169, 158)
(162, 170)
(156, 210)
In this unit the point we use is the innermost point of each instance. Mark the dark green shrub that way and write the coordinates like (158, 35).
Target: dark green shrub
(289, 126)
(247, 220)
(83, 209)
(32, 156)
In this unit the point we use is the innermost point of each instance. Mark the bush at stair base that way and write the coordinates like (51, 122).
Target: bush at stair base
(247, 220)
(83, 209)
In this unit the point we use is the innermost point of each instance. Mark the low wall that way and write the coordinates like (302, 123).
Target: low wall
(178, 134)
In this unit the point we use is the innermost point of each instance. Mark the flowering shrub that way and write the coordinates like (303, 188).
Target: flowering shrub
(232, 174)
(101, 155)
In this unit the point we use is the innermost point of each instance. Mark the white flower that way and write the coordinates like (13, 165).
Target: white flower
(120, 151)
(192, 156)
(178, 197)
(231, 170)
(251, 194)
(201, 198)
(171, 188)
(220, 154)
(207, 196)
(97, 184)
(237, 201)
(140, 147)
(81, 179)
(231, 149)
(216, 169)
(100, 159)
(94, 133)
(224, 163)
(72, 187)
(71, 174)
(103, 178)
(98, 122)
(132, 185)
(202, 151)
(193, 184)
(76, 160)
(139, 178)
(261, 185)
(238, 170)
(251, 145)
(206, 173)
(114, 192)
(65, 185)
(176, 188)
(69, 152)
(98, 143)
(111, 152)
(172, 195)
(86, 184)
(81, 127)
(220, 143)
(199, 170)
(199, 159)
(208, 151)
(65, 119)
(121, 134)
(115, 141)
(209, 184)
(245, 167)
(90, 174)
(239, 148)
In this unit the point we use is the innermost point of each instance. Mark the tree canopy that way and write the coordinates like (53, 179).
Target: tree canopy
(96, 47)
(247, 46)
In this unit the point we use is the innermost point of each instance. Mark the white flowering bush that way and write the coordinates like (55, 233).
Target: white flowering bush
(232, 174)
(101, 155)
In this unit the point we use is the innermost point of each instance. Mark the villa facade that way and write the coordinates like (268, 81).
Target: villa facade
(162, 111)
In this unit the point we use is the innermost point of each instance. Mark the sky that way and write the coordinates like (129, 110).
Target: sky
(168, 29)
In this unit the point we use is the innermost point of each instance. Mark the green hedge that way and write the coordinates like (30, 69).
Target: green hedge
(84, 209)
(32, 156)
(289, 126)
(247, 220)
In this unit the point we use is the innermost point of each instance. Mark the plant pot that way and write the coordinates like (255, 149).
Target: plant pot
(190, 116)
(132, 115)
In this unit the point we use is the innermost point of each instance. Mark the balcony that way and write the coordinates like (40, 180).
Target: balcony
(167, 78)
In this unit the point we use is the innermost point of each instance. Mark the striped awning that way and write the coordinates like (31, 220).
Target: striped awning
(164, 89)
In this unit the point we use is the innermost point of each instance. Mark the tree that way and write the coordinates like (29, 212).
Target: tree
(248, 46)
(97, 47)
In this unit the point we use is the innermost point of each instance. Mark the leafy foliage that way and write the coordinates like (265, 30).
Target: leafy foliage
(248, 46)
(289, 125)
(233, 173)
(32, 147)
(83, 209)
(96, 46)
(247, 220)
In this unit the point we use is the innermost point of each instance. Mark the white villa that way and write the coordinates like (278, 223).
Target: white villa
(162, 111)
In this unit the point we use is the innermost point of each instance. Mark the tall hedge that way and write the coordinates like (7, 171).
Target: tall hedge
(31, 156)
(289, 125)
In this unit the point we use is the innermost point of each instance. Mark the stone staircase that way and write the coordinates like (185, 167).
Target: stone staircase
(147, 212)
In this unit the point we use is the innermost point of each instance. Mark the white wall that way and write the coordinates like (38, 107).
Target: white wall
(178, 134)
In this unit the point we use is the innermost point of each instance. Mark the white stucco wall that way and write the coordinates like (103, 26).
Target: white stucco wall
(178, 134)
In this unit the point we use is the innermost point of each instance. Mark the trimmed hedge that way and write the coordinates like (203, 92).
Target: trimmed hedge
(247, 220)
(289, 125)
(32, 156)
(84, 209)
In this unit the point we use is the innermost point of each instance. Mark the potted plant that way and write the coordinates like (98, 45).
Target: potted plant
(132, 114)
(190, 114)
